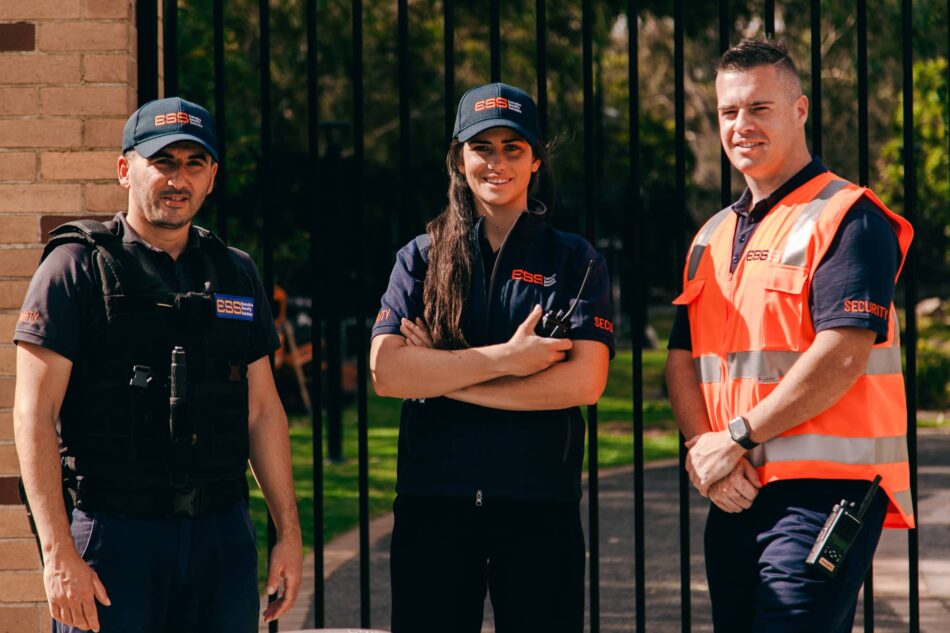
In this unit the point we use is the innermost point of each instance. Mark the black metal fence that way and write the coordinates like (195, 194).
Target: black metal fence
(326, 315)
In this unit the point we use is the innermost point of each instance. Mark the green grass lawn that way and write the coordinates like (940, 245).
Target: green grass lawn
(341, 511)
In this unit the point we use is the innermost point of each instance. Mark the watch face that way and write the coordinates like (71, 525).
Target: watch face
(737, 428)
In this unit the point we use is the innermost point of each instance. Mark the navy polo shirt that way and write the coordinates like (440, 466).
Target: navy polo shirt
(539, 265)
(63, 309)
(860, 264)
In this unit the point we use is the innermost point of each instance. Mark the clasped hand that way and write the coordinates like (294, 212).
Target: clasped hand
(718, 469)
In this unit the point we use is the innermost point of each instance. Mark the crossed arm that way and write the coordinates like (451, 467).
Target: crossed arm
(528, 372)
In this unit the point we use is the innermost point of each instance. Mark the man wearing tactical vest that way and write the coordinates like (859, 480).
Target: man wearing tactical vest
(143, 389)
(784, 368)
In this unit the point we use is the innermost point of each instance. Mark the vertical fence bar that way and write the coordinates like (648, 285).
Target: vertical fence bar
(593, 521)
(725, 167)
(146, 24)
(863, 179)
(541, 37)
(633, 223)
(816, 77)
(317, 295)
(170, 44)
(910, 302)
(448, 28)
(769, 18)
(401, 219)
(361, 333)
(220, 121)
(264, 176)
(680, 106)
(495, 38)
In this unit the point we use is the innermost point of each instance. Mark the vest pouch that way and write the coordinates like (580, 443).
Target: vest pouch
(784, 308)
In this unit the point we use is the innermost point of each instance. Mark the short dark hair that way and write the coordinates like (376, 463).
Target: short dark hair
(750, 53)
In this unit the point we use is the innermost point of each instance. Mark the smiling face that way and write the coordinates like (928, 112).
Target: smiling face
(498, 164)
(168, 188)
(762, 116)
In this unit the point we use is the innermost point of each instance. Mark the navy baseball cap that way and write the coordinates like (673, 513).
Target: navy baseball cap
(497, 105)
(160, 123)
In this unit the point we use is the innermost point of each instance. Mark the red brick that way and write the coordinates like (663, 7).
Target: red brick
(6, 433)
(39, 69)
(41, 133)
(7, 366)
(22, 586)
(12, 292)
(39, 198)
(17, 101)
(107, 9)
(96, 100)
(8, 323)
(9, 464)
(18, 36)
(17, 165)
(24, 229)
(13, 522)
(18, 262)
(104, 133)
(7, 384)
(78, 165)
(38, 9)
(84, 36)
(19, 554)
(108, 69)
(105, 198)
(24, 618)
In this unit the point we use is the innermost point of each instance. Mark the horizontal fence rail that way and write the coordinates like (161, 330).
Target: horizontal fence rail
(327, 228)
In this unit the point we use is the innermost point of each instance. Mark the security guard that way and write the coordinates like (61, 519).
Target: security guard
(784, 368)
(143, 388)
(491, 436)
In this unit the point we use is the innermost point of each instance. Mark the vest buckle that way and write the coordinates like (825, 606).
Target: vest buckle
(141, 376)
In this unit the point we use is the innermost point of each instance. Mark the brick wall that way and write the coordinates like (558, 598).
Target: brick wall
(67, 84)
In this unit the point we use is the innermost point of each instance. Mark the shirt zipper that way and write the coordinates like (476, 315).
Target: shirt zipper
(478, 498)
(494, 270)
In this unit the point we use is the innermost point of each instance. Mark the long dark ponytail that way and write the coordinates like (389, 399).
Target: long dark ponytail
(449, 274)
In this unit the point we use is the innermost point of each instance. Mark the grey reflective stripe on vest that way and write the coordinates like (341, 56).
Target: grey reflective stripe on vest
(702, 240)
(707, 368)
(830, 448)
(903, 499)
(800, 236)
(772, 365)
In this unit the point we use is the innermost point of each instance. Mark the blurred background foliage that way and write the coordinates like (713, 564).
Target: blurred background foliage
(298, 188)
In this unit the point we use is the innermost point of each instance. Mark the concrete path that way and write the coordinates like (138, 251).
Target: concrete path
(617, 584)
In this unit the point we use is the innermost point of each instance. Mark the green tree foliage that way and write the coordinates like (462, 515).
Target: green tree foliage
(932, 228)
(300, 190)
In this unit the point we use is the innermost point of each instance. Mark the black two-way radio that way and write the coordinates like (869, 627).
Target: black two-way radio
(558, 325)
(838, 534)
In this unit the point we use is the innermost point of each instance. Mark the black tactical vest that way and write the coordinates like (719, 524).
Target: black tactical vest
(115, 427)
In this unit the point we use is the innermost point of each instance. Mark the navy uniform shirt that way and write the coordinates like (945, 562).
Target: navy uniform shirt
(860, 264)
(63, 310)
(523, 279)
(452, 448)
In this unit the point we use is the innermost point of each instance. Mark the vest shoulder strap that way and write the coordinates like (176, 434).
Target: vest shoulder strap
(89, 232)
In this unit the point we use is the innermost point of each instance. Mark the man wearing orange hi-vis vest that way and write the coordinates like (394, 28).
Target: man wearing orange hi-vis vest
(784, 367)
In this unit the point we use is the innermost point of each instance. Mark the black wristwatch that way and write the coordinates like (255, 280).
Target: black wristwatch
(740, 432)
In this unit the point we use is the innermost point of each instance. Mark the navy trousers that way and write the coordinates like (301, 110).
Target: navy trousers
(447, 553)
(179, 575)
(755, 560)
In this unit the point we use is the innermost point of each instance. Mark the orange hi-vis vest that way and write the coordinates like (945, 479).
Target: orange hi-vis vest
(750, 326)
